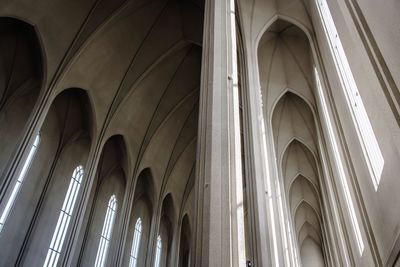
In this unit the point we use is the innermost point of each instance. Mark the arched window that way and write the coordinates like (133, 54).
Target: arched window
(158, 252)
(64, 219)
(135, 244)
(105, 236)
(19, 182)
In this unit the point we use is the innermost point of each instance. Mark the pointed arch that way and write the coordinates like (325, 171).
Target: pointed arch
(313, 187)
(22, 79)
(280, 17)
(288, 111)
(308, 231)
(142, 208)
(296, 144)
(313, 194)
(301, 210)
(185, 242)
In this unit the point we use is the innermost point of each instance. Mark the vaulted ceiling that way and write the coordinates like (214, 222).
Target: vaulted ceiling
(139, 62)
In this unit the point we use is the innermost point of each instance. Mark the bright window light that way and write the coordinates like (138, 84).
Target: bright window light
(158, 252)
(18, 184)
(64, 219)
(105, 236)
(283, 228)
(339, 165)
(136, 243)
(360, 118)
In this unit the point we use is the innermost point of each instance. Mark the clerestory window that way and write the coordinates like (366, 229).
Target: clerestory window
(53, 254)
(339, 164)
(18, 184)
(106, 233)
(158, 252)
(369, 143)
(136, 243)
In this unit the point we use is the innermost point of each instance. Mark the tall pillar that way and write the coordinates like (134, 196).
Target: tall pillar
(218, 235)
(260, 196)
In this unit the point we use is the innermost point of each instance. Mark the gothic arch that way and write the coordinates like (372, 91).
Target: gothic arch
(142, 207)
(280, 17)
(185, 242)
(285, 58)
(22, 77)
(300, 157)
(166, 229)
(110, 180)
(65, 144)
(303, 189)
(293, 119)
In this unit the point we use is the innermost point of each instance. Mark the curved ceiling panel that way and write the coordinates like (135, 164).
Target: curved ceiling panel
(284, 60)
(306, 214)
(141, 62)
(292, 118)
(286, 77)
(297, 160)
(303, 190)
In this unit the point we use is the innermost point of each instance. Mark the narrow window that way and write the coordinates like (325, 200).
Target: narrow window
(158, 252)
(370, 146)
(339, 164)
(64, 218)
(135, 244)
(18, 184)
(105, 236)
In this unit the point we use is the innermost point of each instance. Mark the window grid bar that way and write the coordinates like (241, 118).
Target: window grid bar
(106, 232)
(64, 218)
(135, 244)
(158, 252)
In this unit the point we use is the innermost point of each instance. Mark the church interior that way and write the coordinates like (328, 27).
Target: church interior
(200, 133)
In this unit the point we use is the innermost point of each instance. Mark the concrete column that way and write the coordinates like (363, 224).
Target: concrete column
(258, 194)
(216, 241)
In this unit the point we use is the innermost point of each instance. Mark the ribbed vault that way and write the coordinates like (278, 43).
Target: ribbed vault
(286, 79)
(21, 78)
(139, 64)
(144, 89)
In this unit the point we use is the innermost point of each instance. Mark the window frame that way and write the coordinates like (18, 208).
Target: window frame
(106, 233)
(157, 260)
(64, 219)
(133, 257)
(366, 135)
(339, 164)
(18, 184)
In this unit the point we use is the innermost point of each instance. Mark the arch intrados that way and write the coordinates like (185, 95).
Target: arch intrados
(294, 92)
(145, 201)
(310, 237)
(299, 178)
(145, 179)
(115, 146)
(38, 40)
(307, 227)
(117, 170)
(308, 231)
(305, 148)
(168, 208)
(304, 204)
(85, 103)
(276, 18)
(186, 226)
